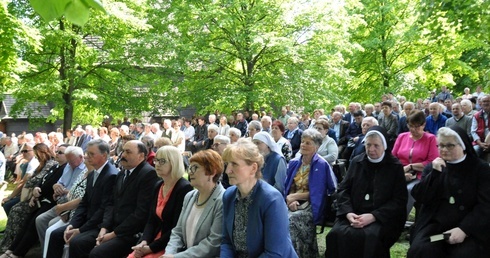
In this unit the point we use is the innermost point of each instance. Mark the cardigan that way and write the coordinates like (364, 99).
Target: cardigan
(170, 215)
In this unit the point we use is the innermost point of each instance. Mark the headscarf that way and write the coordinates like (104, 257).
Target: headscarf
(464, 139)
(382, 133)
(266, 138)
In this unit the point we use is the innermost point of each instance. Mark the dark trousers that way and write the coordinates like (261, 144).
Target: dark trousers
(7, 206)
(83, 245)
(27, 237)
(56, 243)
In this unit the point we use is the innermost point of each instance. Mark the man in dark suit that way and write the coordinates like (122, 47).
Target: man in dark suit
(353, 131)
(293, 134)
(340, 127)
(83, 137)
(129, 211)
(90, 211)
(241, 124)
(349, 117)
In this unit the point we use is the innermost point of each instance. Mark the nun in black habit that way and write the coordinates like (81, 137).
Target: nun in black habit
(455, 201)
(372, 202)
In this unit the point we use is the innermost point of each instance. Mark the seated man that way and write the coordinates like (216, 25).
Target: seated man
(126, 214)
(96, 200)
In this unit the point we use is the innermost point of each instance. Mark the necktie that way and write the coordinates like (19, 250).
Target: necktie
(126, 175)
(95, 176)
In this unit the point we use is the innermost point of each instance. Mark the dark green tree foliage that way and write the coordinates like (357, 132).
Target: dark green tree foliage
(91, 71)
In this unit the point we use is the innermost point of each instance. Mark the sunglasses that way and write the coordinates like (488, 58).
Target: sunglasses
(25, 151)
(60, 152)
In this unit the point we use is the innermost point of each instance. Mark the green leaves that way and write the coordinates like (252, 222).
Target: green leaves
(75, 11)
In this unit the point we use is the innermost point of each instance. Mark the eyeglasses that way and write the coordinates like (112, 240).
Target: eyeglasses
(160, 161)
(25, 151)
(193, 169)
(60, 152)
(414, 126)
(448, 146)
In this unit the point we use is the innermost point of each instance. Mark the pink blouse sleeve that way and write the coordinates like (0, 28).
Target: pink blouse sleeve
(433, 151)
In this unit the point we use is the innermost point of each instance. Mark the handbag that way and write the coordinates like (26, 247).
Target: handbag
(26, 194)
(339, 170)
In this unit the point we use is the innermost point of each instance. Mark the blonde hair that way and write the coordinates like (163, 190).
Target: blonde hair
(247, 151)
(173, 156)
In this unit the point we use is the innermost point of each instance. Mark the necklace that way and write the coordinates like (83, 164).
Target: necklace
(207, 199)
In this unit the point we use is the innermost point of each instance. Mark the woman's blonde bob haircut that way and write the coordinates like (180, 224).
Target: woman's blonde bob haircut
(174, 157)
(247, 151)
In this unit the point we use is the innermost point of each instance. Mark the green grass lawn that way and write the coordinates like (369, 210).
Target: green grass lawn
(3, 216)
(399, 250)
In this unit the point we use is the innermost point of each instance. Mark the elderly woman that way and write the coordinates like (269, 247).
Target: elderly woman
(28, 204)
(309, 181)
(254, 213)
(212, 132)
(167, 203)
(277, 132)
(328, 149)
(254, 127)
(198, 230)
(455, 201)
(293, 134)
(371, 203)
(234, 134)
(415, 149)
(274, 169)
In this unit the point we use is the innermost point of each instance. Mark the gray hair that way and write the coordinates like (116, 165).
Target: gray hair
(235, 131)
(266, 118)
(256, 125)
(314, 135)
(372, 119)
(294, 120)
(222, 139)
(75, 150)
(213, 127)
(102, 145)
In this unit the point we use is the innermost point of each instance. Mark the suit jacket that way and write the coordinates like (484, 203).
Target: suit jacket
(95, 201)
(209, 228)
(295, 140)
(83, 140)
(348, 117)
(268, 223)
(170, 215)
(130, 206)
(344, 125)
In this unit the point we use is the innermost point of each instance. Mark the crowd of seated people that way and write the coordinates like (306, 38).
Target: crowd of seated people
(261, 183)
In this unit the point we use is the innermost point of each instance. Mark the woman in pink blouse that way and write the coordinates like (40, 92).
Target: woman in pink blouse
(415, 149)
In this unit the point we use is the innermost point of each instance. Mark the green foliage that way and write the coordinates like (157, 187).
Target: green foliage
(152, 57)
(90, 71)
(75, 11)
(14, 36)
(253, 54)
